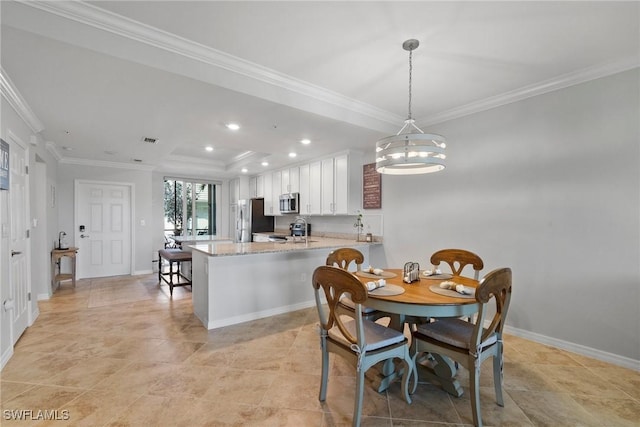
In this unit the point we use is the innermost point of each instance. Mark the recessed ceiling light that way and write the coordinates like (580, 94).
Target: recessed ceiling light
(292, 154)
(305, 141)
(244, 170)
(232, 126)
(265, 163)
(209, 148)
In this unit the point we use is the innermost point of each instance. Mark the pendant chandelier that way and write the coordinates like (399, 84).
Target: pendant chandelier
(410, 151)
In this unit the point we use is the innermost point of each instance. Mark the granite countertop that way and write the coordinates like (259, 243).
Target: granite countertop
(232, 249)
(201, 238)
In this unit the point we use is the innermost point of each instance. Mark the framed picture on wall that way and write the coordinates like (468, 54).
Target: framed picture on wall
(371, 187)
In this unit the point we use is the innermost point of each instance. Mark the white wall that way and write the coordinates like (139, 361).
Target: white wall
(141, 204)
(548, 186)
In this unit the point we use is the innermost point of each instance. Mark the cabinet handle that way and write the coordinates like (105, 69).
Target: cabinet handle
(14, 253)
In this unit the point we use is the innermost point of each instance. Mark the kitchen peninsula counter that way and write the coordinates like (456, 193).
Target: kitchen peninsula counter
(231, 249)
(238, 282)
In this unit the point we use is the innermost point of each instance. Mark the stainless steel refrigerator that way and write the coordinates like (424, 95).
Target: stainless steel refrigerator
(250, 218)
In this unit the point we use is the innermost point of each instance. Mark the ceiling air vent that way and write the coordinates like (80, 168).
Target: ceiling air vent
(149, 140)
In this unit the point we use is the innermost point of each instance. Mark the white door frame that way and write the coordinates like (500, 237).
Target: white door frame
(76, 224)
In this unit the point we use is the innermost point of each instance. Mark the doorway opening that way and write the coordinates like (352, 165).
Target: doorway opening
(190, 208)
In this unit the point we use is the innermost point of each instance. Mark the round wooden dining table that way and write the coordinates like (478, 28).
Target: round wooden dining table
(418, 300)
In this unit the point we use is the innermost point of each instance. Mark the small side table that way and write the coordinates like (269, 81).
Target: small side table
(56, 274)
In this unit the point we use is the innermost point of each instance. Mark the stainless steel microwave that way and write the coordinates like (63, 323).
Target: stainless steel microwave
(290, 203)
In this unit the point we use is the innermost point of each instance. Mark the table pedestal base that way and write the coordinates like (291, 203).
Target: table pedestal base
(441, 371)
(434, 368)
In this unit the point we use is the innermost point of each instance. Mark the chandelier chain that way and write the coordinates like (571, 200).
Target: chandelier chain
(410, 72)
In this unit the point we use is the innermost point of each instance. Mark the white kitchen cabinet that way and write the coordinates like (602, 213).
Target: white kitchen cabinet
(290, 180)
(294, 180)
(310, 185)
(327, 190)
(284, 181)
(304, 189)
(260, 186)
(341, 185)
(276, 191)
(268, 197)
(315, 188)
(253, 188)
(234, 191)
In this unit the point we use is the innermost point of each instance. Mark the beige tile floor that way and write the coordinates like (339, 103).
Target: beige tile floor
(119, 352)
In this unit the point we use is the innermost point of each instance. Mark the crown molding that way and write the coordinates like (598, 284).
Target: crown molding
(125, 27)
(17, 102)
(51, 148)
(104, 164)
(546, 86)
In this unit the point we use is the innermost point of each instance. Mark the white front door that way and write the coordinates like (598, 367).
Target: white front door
(103, 229)
(20, 285)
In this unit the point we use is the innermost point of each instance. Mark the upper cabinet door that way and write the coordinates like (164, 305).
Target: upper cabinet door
(327, 205)
(253, 189)
(304, 189)
(341, 185)
(260, 186)
(268, 197)
(294, 180)
(276, 191)
(284, 181)
(315, 188)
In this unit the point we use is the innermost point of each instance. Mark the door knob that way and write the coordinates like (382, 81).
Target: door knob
(84, 236)
(14, 253)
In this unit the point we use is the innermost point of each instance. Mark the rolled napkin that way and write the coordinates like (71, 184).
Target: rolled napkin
(461, 289)
(376, 271)
(375, 285)
(432, 272)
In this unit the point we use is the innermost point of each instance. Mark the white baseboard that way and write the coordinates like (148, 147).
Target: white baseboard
(34, 315)
(141, 272)
(594, 353)
(213, 324)
(5, 357)
(43, 297)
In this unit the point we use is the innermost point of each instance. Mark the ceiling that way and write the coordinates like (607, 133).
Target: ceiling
(101, 76)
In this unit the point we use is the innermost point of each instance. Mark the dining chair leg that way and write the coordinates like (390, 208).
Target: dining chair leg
(406, 377)
(325, 372)
(474, 384)
(413, 353)
(498, 376)
(357, 409)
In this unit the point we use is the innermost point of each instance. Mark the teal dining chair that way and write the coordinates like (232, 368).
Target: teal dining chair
(343, 258)
(363, 343)
(457, 260)
(471, 344)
